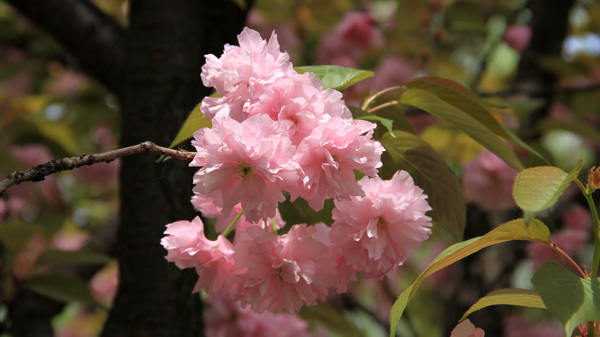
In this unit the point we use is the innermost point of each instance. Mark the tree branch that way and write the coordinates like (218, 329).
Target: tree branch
(543, 90)
(38, 173)
(95, 40)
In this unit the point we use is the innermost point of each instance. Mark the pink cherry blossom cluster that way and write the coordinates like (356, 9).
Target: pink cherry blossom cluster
(275, 131)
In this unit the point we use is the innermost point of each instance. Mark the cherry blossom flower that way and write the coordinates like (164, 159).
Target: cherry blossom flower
(188, 248)
(330, 155)
(226, 317)
(242, 72)
(280, 273)
(248, 163)
(378, 232)
(489, 182)
(205, 205)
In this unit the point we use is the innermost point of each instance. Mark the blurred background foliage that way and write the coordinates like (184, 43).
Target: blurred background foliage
(49, 109)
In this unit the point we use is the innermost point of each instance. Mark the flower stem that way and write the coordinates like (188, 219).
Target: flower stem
(369, 100)
(230, 227)
(568, 258)
(382, 106)
(274, 226)
(596, 256)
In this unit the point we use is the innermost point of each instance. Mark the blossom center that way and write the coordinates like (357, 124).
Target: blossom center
(382, 223)
(244, 171)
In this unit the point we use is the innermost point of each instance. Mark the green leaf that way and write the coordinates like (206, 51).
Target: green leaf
(386, 122)
(571, 299)
(433, 104)
(52, 258)
(193, 123)
(430, 173)
(519, 297)
(460, 97)
(16, 235)
(336, 77)
(61, 288)
(58, 133)
(514, 230)
(464, 100)
(538, 188)
(574, 125)
(332, 318)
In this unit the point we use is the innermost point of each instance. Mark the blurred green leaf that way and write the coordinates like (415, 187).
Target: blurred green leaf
(438, 107)
(571, 299)
(332, 318)
(51, 258)
(574, 125)
(336, 77)
(430, 173)
(60, 134)
(16, 234)
(514, 230)
(518, 297)
(61, 288)
(538, 188)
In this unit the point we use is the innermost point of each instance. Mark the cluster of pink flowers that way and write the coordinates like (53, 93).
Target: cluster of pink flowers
(275, 131)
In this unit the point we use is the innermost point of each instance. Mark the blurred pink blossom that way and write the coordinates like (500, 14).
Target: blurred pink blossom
(577, 218)
(489, 182)
(517, 37)
(356, 33)
(65, 240)
(392, 71)
(26, 258)
(105, 283)
(226, 318)
(519, 326)
(467, 329)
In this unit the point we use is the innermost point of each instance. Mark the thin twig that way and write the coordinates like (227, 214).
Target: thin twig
(540, 91)
(38, 173)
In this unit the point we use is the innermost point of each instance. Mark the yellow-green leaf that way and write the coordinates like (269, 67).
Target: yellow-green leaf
(538, 188)
(436, 106)
(519, 297)
(514, 230)
(193, 123)
(336, 77)
(462, 98)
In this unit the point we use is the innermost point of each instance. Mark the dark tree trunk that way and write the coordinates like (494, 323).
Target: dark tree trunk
(154, 67)
(166, 42)
(549, 26)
